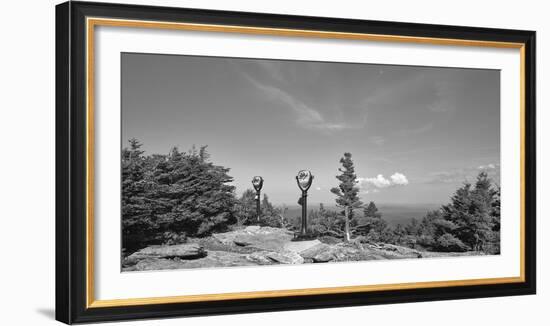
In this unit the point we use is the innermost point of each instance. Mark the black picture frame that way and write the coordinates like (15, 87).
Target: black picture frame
(71, 158)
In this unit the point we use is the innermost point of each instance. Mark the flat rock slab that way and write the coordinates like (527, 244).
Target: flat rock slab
(390, 251)
(272, 257)
(214, 259)
(300, 246)
(314, 253)
(181, 251)
(264, 238)
(323, 253)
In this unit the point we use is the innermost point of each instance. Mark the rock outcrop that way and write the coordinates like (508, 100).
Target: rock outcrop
(254, 246)
(264, 238)
(181, 251)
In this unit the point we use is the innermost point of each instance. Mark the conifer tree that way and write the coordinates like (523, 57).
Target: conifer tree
(371, 211)
(177, 194)
(246, 207)
(136, 210)
(194, 195)
(347, 192)
(471, 210)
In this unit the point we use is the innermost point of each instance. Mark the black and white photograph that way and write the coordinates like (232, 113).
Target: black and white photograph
(275, 163)
(231, 162)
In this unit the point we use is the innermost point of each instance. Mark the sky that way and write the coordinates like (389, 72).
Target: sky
(415, 133)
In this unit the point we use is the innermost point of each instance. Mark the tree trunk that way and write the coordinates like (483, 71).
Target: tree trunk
(347, 237)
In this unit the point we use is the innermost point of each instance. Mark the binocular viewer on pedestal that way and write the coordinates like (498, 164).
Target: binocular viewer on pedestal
(304, 179)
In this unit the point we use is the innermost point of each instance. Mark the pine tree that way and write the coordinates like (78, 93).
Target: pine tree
(325, 222)
(399, 233)
(271, 216)
(195, 195)
(371, 211)
(177, 194)
(136, 210)
(347, 192)
(471, 210)
(246, 207)
(482, 200)
(266, 206)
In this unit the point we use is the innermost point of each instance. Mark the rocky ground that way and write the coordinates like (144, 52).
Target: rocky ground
(254, 245)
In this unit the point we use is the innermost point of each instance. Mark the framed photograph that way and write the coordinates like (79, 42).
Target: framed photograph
(212, 162)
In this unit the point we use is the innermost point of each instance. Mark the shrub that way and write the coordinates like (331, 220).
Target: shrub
(449, 243)
(172, 238)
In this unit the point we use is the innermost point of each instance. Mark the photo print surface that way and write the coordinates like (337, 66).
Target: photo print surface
(248, 162)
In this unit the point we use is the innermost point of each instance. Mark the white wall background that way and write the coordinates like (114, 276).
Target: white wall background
(27, 162)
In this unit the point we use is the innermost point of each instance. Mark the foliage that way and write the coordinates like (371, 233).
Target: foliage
(166, 198)
(471, 221)
(449, 243)
(371, 211)
(137, 210)
(347, 192)
(180, 193)
(271, 216)
(172, 238)
(325, 222)
(474, 212)
(246, 208)
(246, 211)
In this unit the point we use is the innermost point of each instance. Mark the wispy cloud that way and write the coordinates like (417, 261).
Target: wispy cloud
(444, 98)
(377, 140)
(370, 185)
(489, 166)
(305, 115)
(457, 176)
(416, 131)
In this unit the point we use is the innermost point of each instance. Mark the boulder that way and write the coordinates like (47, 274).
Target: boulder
(279, 257)
(219, 259)
(389, 251)
(314, 253)
(323, 253)
(286, 257)
(263, 238)
(255, 246)
(214, 259)
(260, 258)
(155, 264)
(300, 246)
(181, 251)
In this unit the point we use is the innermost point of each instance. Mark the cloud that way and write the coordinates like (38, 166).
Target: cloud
(377, 140)
(487, 167)
(458, 176)
(305, 115)
(373, 185)
(416, 131)
(399, 179)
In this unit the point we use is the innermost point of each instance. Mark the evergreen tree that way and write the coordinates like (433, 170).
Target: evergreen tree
(483, 198)
(471, 211)
(347, 192)
(246, 207)
(271, 216)
(266, 206)
(136, 209)
(371, 211)
(194, 192)
(399, 234)
(325, 222)
(171, 196)
(371, 225)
